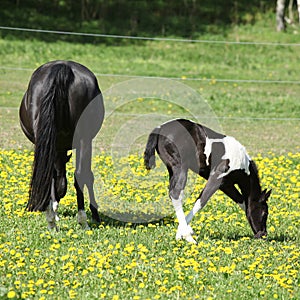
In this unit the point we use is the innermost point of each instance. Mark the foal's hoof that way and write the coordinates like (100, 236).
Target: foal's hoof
(190, 239)
(185, 233)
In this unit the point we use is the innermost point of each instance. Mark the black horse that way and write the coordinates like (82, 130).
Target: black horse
(222, 160)
(61, 110)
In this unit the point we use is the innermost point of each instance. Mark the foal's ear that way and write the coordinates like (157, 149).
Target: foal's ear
(265, 195)
(268, 193)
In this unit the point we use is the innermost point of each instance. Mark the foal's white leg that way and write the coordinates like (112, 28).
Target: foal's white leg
(212, 185)
(184, 230)
(197, 206)
(51, 216)
(82, 219)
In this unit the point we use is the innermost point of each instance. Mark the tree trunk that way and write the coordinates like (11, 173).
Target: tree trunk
(280, 6)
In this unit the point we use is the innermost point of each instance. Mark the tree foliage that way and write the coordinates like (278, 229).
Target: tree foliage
(185, 18)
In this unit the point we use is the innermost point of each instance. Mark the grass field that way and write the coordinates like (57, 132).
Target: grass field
(274, 105)
(124, 260)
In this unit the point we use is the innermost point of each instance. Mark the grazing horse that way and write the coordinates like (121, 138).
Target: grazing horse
(222, 160)
(61, 110)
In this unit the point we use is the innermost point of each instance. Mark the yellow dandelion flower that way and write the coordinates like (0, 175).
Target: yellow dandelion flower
(11, 294)
(141, 285)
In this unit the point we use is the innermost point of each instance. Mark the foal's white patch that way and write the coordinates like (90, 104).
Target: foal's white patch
(207, 148)
(234, 151)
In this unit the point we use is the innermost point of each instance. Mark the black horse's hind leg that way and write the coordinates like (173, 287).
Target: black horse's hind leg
(84, 176)
(82, 218)
(213, 184)
(51, 211)
(93, 204)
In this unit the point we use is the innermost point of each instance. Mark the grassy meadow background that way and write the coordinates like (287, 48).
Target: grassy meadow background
(119, 260)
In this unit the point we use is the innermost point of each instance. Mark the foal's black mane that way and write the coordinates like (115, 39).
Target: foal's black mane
(254, 180)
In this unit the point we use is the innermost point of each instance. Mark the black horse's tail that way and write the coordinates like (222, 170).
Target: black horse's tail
(149, 154)
(54, 98)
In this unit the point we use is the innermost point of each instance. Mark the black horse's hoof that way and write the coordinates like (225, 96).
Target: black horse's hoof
(260, 235)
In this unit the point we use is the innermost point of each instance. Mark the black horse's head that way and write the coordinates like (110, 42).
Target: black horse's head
(60, 177)
(257, 214)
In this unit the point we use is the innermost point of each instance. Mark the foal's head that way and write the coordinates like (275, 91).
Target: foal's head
(257, 214)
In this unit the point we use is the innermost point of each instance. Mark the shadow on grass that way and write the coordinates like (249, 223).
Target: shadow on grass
(107, 220)
(71, 212)
(202, 233)
(282, 237)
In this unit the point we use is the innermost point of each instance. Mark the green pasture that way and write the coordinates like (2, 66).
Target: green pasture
(127, 260)
(259, 114)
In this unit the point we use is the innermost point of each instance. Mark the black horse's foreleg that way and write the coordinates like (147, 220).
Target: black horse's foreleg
(93, 203)
(81, 217)
(89, 176)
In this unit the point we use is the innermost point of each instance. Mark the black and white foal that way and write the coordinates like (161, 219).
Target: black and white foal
(222, 160)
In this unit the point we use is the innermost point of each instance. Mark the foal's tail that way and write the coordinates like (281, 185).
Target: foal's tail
(55, 91)
(149, 154)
